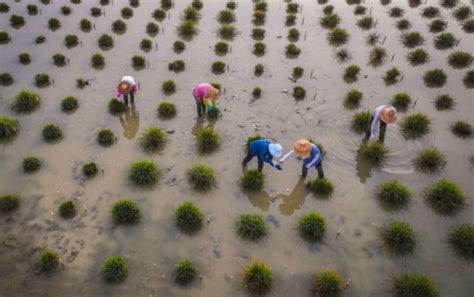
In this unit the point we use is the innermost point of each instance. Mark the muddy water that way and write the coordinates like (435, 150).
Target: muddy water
(153, 246)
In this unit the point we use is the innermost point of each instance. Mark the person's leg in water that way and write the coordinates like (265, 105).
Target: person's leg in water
(125, 99)
(367, 133)
(199, 106)
(320, 170)
(132, 97)
(304, 172)
(383, 128)
(247, 158)
(260, 164)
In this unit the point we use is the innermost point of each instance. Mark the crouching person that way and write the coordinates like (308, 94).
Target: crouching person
(309, 154)
(264, 150)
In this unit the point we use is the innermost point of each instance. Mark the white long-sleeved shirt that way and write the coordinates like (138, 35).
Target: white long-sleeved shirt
(313, 159)
(375, 122)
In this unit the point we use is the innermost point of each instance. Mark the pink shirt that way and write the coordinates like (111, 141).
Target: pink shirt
(202, 91)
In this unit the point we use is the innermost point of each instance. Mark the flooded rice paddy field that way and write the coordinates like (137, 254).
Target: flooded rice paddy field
(153, 246)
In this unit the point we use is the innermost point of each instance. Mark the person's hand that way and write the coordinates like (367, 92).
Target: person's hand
(278, 167)
(281, 161)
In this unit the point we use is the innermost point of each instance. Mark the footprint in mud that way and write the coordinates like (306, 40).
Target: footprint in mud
(72, 256)
(272, 220)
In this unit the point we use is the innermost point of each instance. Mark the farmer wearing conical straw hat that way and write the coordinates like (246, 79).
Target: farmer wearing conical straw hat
(127, 87)
(384, 114)
(205, 96)
(309, 154)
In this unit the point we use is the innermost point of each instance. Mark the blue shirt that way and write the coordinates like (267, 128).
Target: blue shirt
(314, 158)
(260, 149)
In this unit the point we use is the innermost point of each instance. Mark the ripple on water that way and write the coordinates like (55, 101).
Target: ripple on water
(402, 151)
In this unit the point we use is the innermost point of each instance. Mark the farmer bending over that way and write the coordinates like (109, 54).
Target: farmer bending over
(127, 87)
(309, 154)
(205, 96)
(265, 150)
(385, 114)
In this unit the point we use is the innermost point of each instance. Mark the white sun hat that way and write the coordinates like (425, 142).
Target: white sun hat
(275, 149)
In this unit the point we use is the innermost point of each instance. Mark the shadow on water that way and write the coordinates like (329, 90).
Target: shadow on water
(199, 124)
(364, 167)
(130, 121)
(259, 199)
(290, 203)
(294, 200)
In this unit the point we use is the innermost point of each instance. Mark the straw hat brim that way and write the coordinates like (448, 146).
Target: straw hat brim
(386, 118)
(302, 148)
(125, 87)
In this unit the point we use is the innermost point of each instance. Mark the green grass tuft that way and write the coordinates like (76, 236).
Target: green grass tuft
(116, 106)
(328, 283)
(67, 209)
(398, 238)
(69, 104)
(52, 133)
(9, 203)
(445, 197)
(252, 180)
(89, 169)
(360, 122)
(166, 110)
(461, 240)
(153, 139)
(312, 227)
(338, 37)
(374, 152)
(444, 102)
(188, 217)
(114, 269)
(144, 173)
(353, 98)
(106, 137)
(8, 129)
(31, 164)
(208, 140)
(445, 41)
(330, 21)
(411, 284)
(125, 212)
(48, 261)
(412, 39)
(168, 87)
(393, 194)
(176, 66)
(415, 125)
(459, 60)
(429, 160)
(292, 51)
(251, 226)
(185, 272)
(462, 129)
(201, 177)
(320, 186)
(257, 277)
(401, 101)
(437, 26)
